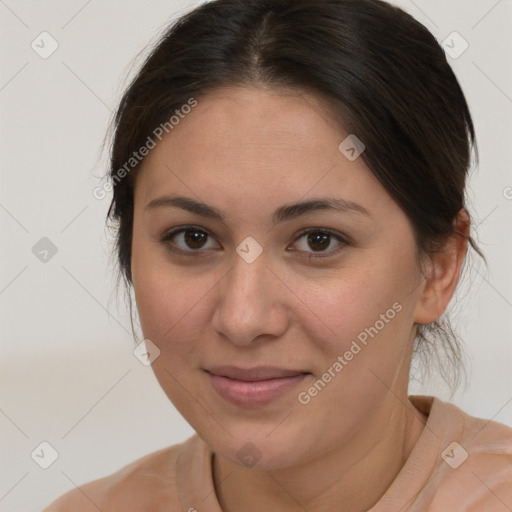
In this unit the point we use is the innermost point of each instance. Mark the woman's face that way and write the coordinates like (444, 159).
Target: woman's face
(276, 345)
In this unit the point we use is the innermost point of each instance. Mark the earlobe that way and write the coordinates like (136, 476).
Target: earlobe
(444, 273)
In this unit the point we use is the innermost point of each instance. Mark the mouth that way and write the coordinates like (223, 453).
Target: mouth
(253, 387)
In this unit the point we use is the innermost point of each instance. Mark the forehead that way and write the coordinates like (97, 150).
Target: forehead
(272, 145)
(259, 112)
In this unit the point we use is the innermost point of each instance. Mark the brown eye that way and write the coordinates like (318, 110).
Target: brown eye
(189, 239)
(195, 239)
(318, 243)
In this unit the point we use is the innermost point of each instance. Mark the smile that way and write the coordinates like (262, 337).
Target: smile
(253, 387)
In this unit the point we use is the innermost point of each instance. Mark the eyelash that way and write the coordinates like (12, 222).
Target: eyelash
(325, 231)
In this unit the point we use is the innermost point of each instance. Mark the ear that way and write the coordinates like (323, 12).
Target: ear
(444, 273)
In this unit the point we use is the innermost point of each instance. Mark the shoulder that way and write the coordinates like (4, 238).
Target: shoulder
(147, 482)
(481, 439)
(476, 462)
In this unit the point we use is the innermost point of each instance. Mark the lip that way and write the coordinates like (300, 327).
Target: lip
(253, 387)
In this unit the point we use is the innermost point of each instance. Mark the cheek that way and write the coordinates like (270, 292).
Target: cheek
(352, 302)
(169, 309)
(170, 302)
(371, 302)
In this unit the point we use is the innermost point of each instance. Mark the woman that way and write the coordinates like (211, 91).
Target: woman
(289, 180)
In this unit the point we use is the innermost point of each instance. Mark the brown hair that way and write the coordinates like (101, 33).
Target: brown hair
(382, 72)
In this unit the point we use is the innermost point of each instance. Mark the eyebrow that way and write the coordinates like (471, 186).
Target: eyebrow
(283, 213)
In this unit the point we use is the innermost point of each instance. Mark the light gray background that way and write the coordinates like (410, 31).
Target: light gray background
(68, 375)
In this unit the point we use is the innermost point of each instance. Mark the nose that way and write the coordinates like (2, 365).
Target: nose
(251, 304)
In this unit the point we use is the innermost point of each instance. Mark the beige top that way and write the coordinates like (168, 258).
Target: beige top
(459, 464)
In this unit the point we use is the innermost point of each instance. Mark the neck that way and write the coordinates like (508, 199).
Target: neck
(352, 477)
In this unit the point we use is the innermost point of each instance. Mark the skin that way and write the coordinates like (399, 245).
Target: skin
(248, 151)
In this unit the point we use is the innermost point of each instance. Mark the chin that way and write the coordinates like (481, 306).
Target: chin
(251, 446)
